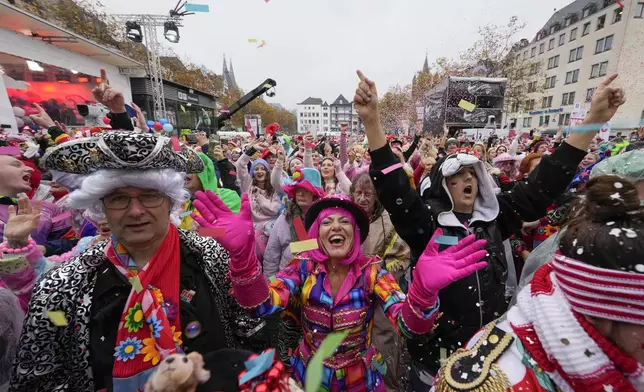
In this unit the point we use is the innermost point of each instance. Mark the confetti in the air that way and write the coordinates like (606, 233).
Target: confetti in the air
(303, 246)
(391, 168)
(639, 267)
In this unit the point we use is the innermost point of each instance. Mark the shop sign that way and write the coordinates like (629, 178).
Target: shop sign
(187, 97)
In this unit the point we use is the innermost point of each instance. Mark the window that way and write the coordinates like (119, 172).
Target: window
(525, 55)
(573, 34)
(534, 68)
(518, 58)
(546, 102)
(600, 22)
(568, 99)
(533, 52)
(617, 15)
(585, 12)
(589, 94)
(604, 44)
(598, 70)
(572, 76)
(639, 10)
(551, 44)
(553, 62)
(527, 122)
(586, 29)
(530, 104)
(542, 47)
(515, 106)
(576, 54)
(551, 81)
(568, 22)
(544, 120)
(532, 87)
(562, 39)
(564, 119)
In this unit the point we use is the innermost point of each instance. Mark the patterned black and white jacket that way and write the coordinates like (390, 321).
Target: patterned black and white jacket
(54, 358)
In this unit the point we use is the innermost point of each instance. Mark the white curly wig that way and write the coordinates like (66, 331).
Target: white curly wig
(11, 317)
(101, 183)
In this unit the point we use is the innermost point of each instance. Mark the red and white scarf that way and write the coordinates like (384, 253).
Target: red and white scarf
(574, 354)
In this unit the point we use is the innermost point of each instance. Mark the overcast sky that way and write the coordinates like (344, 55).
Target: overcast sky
(313, 47)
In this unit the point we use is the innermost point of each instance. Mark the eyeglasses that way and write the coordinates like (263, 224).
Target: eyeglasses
(121, 202)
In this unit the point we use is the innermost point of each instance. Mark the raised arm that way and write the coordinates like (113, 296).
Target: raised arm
(242, 169)
(277, 174)
(343, 145)
(528, 201)
(410, 216)
(343, 181)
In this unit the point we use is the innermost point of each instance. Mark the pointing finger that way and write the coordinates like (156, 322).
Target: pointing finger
(40, 109)
(361, 75)
(609, 80)
(104, 77)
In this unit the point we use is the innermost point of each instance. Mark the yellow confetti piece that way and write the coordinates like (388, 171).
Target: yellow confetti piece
(443, 355)
(469, 106)
(136, 284)
(252, 41)
(303, 246)
(57, 318)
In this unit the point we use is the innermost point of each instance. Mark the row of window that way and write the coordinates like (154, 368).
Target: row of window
(564, 119)
(601, 21)
(596, 70)
(546, 102)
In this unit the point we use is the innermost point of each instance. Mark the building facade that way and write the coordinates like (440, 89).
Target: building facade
(572, 54)
(341, 113)
(310, 115)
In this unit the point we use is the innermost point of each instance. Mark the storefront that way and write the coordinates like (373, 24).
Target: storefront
(186, 108)
(45, 64)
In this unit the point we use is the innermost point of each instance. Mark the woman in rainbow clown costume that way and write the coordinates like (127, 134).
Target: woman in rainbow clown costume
(338, 286)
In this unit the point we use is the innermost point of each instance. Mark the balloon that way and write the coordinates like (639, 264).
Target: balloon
(158, 126)
(168, 128)
(163, 121)
(107, 120)
(150, 123)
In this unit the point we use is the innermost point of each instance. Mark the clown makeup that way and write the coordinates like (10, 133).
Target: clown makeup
(463, 187)
(327, 170)
(336, 235)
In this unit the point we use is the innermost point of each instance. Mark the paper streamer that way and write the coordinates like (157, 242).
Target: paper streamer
(61, 217)
(391, 168)
(252, 41)
(232, 173)
(11, 150)
(136, 284)
(257, 366)
(446, 240)
(326, 349)
(213, 232)
(176, 146)
(299, 229)
(57, 318)
(196, 7)
(469, 106)
(303, 246)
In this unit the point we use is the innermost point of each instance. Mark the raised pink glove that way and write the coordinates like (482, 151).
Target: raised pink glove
(239, 239)
(435, 270)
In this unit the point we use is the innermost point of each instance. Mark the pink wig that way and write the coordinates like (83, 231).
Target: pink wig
(319, 255)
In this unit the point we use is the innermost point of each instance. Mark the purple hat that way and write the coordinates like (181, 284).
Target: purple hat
(307, 179)
(339, 201)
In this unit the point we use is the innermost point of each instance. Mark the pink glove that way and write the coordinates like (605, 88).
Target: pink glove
(239, 239)
(435, 271)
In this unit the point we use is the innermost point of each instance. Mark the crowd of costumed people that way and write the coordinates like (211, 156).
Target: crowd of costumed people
(136, 260)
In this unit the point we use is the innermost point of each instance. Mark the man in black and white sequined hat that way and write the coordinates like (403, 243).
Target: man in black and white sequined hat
(150, 291)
